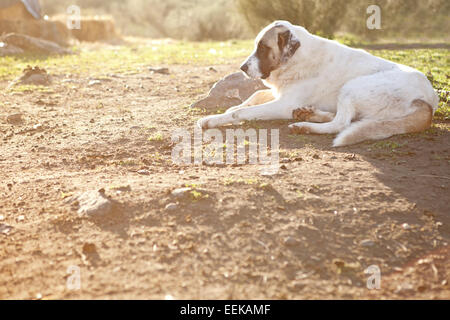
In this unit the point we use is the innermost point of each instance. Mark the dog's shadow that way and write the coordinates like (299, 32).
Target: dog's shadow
(414, 166)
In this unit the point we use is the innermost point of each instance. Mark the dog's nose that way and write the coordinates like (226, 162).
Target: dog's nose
(244, 67)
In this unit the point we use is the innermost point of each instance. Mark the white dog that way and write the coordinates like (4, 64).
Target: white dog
(335, 88)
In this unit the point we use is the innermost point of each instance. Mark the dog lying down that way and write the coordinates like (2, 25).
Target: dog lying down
(330, 88)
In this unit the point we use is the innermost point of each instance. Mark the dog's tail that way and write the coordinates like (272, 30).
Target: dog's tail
(417, 121)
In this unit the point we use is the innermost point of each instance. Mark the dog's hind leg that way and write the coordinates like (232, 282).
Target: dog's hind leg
(417, 121)
(312, 114)
(259, 97)
(342, 119)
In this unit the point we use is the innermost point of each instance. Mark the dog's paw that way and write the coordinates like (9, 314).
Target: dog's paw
(211, 121)
(203, 123)
(303, 113)
(299, 128)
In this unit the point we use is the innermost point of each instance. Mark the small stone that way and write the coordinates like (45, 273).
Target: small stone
(2, 217)
(20, 218)
(159, 70)
(171, 207)
(144, 172)
(404, 288)
(94, 83)
(180, 192)
(92, 203)
(290, 242)
(367, 243)
(5, 229)
(14, 118)
(89, 248)
(37, 126)
(406, 226)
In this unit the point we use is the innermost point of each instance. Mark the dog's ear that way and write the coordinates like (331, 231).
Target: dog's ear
(288, 44)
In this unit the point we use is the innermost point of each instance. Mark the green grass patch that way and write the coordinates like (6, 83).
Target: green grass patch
(127, 59)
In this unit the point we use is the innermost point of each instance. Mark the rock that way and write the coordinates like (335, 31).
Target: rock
(230, 91)
(9, 49)
(32, 44)
(38, 127)
(93, 203)
(406, 226)
(367, 243)
(34, 76)
(89, 248)
(89, 254)
(159, 70)
(180, 192)
(405, 288)
(5, 229)
(15, 118)
(144, 172)
(94, 83)
(290, 242)
(171, 207)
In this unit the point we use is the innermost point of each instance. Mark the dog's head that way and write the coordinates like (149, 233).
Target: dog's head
(274, 46)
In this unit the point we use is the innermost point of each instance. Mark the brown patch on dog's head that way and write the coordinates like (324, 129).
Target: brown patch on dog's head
(274, 48)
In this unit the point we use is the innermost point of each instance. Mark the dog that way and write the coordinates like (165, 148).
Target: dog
(331, 89)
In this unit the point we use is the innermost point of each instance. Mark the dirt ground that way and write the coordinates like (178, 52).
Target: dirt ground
(308, 232)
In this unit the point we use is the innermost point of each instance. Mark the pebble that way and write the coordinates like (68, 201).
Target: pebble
(5, 229)
(171, 207)
(180, 192)
(92, 203)
(89, 248)
(367, 243)
(290, 242)
(406, 226)
(94, 83)
(159, 70)
(14, 118)
(144, 172)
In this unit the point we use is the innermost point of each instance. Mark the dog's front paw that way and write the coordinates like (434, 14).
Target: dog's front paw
(207, 122)
(303, 113)
(299, 128)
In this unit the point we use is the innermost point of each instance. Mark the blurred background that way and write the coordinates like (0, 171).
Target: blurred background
(421, 20)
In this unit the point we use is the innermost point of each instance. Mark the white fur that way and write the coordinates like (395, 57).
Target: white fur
(253, 67)
(351, 83)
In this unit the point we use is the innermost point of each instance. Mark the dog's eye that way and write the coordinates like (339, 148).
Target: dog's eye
(263, 48)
